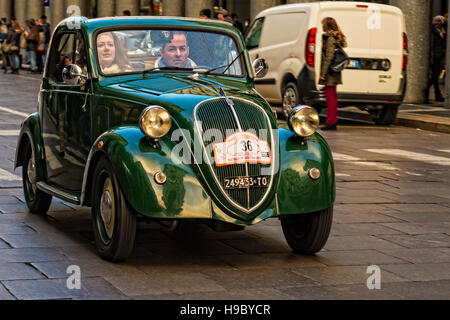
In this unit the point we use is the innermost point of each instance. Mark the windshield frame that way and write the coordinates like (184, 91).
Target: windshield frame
(174, 28)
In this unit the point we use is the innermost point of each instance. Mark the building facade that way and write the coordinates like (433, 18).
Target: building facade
(418, 14)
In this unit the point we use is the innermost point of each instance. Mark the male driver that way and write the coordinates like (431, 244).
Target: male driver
(175, 51)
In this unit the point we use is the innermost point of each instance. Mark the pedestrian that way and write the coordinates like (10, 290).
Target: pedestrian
(332, 37)
(47, 35)
(13, 39)
(40, 50)
(438, 49)
(236, 23)
(221, 14)
(205, 14)
(3, 47)
(32, 38)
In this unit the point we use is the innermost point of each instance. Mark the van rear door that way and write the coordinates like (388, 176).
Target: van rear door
(353, 23)
(386, 43)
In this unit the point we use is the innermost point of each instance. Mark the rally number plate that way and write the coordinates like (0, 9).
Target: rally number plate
(242, 147)
(245, 182)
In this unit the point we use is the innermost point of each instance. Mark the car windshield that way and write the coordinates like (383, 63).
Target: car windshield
(131, 51)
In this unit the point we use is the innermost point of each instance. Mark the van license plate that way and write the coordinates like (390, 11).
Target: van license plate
(353, 63)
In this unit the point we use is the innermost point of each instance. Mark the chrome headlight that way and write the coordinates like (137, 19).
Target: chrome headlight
(155, 122)
(303, 120)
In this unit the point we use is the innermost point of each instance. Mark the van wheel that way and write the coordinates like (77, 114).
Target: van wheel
(291, 98)
(386, 116)
(113, 220)
(307, 233)
(37, 201)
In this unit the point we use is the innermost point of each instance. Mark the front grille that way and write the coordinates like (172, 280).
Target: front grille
(217, 114)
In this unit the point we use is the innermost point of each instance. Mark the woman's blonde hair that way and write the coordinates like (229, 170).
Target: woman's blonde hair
(330, 25)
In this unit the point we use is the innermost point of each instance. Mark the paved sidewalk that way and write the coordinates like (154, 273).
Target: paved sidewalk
(433, 116)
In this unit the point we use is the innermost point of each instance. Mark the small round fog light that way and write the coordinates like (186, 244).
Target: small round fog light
(314, 173)
(160, 177)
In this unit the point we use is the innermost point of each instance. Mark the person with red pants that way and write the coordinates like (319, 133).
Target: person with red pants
(331, 37)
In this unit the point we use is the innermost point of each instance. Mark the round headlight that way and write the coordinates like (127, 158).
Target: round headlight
(155, 121)
(303, 120)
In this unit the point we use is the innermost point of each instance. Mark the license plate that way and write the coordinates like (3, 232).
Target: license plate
(245, 182)
(241, 147)
(353, 64)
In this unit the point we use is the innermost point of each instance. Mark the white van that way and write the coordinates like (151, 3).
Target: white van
(289, 37)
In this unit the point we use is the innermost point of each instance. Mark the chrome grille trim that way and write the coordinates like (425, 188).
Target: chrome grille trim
(274, 152)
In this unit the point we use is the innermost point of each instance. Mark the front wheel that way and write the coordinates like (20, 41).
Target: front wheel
(37, 201)
(291, 98)
(113, 220)
(386, 116)
(307, 233)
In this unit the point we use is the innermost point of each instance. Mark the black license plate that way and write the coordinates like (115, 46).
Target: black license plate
(246, 182)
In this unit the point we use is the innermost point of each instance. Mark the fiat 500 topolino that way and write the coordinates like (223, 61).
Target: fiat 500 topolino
(158, 118)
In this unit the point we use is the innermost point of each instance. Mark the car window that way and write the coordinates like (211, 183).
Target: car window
(70, 49)
(126, 51)
(62, 57)
(254, 34)
(80, 53)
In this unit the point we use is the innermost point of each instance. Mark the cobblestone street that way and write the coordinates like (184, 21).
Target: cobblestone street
(392, 210)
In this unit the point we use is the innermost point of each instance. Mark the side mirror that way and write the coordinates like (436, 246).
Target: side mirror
(260, 67)
(72, 75)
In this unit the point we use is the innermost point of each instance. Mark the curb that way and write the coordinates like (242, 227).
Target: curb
(425, 122)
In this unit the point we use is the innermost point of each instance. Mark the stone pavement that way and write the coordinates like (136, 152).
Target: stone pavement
(392, 210)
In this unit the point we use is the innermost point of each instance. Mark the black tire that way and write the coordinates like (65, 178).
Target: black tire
(386, 116)
(291, 98)
(37, 201)
(307, 233)
(115, 234)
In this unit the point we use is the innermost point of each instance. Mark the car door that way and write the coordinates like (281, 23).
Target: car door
(67, 121)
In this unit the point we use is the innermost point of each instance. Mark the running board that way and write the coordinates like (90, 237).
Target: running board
(58, 193)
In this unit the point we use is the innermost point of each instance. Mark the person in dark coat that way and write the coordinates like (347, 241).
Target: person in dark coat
(236, 23)
(330, 39)
(3, 35)
(13, 38)
(438, 48)
(32, 37)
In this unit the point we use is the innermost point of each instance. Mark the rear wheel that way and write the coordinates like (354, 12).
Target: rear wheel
(291, 98)
(37, 201)
(113, 220)
(386, 115)
(307, 233)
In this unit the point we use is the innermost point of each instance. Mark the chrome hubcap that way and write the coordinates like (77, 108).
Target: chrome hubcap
(107, 207)
(31, 173)
(289, 100)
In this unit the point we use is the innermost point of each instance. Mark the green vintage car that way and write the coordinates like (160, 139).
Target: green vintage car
(157, 118)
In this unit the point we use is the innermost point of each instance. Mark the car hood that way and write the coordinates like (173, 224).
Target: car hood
(181, 93)
(193, 100)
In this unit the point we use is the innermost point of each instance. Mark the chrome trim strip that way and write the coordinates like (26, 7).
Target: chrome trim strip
(236, 205)
(58, 193)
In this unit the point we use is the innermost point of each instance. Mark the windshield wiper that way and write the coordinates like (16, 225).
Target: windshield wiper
(227, 65)
(165, 68)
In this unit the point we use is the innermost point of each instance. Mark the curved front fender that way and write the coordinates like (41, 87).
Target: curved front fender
(297, 192)
(31, 130)
(136, 161)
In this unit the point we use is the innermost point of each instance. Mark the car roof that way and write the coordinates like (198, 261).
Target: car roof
(140, 21)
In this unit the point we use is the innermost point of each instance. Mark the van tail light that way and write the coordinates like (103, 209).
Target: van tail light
(310, 48)
(405, 52)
